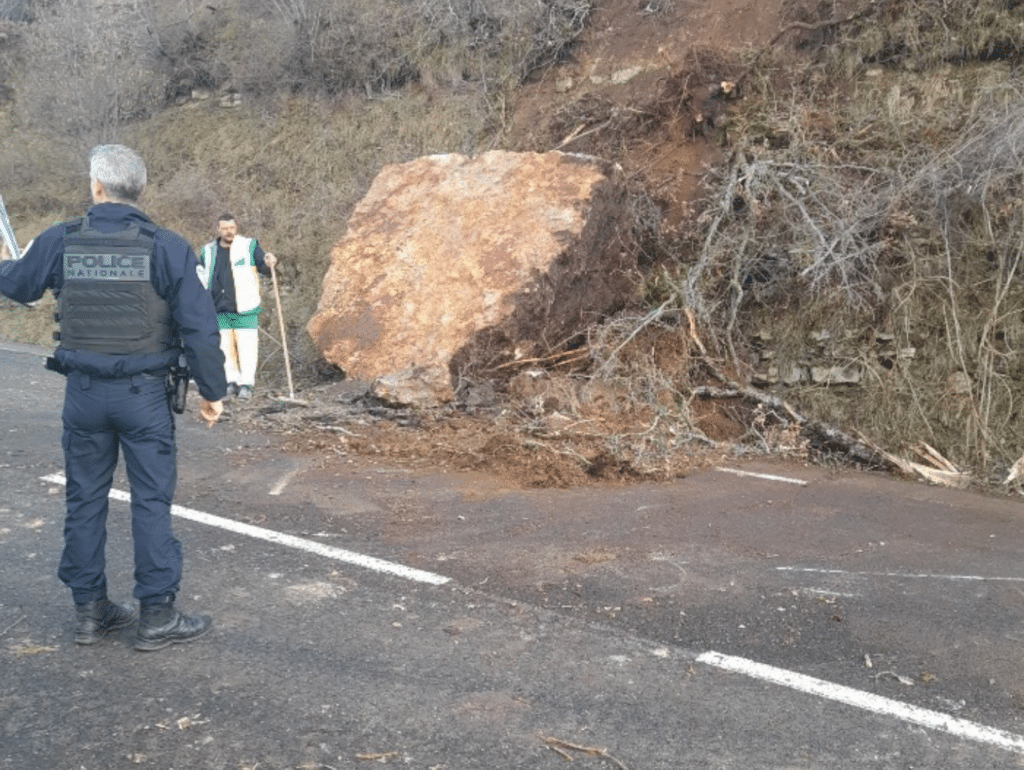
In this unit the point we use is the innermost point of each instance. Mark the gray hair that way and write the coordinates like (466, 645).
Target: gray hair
(120, 170)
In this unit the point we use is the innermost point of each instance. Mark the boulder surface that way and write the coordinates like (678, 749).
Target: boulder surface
(452, 266)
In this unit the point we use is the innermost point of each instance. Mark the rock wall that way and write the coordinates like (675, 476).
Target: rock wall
(826, 360)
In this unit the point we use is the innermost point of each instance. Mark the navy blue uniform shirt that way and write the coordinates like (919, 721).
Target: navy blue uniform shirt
(173, 276)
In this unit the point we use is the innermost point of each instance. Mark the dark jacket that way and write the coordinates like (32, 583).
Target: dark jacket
(175, 280)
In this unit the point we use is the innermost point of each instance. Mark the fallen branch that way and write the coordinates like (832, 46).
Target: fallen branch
(1016, 471)
(528, 444)
(901, 679)
(946, 474)
(856, 448)
(576, 133)
(943, 477)
(558, 745)
(692, 324)
(377, 756)
(932, 455)
(567, 356)
(338, 429)
(563, 754)
(594, 752)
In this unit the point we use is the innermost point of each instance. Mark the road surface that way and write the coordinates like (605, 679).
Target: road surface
(757, 615)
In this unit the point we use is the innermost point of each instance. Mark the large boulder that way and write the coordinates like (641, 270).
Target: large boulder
(452, 266)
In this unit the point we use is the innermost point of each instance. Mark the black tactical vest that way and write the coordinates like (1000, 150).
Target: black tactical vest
(108, 304)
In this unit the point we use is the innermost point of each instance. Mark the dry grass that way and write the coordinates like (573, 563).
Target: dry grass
(290, 171)
(330, 93)
(874, 196)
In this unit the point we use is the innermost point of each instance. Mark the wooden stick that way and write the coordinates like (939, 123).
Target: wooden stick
(567, 356)
(284, 338)
(936, 457)
(556, 744)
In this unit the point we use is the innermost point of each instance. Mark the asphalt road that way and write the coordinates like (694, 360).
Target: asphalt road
(367, 614)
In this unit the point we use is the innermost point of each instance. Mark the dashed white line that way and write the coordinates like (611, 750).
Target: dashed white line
(817, 687)
(877, 704)
(906, 575)
(767, 476)
(310, 546)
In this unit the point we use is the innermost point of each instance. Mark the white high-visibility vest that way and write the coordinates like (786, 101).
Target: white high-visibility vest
(243, 271)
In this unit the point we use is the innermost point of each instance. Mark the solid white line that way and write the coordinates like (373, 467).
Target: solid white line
(934, 720)
(311, 546)
(914, 575)
(767, 476)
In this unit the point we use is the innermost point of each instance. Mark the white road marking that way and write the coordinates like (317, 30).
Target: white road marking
(907, 575)
(817, 687)
(310, 546)
(934, 720)
(767, 476)
(825, 592)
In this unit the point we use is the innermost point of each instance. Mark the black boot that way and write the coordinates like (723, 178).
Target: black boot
(161, 625)
(93, 620)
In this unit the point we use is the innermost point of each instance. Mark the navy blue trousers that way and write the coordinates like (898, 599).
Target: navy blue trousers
(101, 417)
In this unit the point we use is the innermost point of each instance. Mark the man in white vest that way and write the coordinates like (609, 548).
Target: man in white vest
(229, 268)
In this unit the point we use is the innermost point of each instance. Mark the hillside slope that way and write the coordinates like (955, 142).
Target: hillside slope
(828, 204)
(828, 224)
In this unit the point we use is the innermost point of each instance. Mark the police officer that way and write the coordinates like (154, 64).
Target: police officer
(128, 301)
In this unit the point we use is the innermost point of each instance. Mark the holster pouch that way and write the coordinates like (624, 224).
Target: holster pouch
(177, 385)
(54, 365)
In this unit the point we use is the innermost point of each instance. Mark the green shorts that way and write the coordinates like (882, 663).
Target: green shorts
(250, 320)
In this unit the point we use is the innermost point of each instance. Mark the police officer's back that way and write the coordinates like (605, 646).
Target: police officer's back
(129, 303)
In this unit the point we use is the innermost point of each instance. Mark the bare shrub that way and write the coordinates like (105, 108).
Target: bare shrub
(643, 372)
(188, 196)
(905, 226)
(376, 46)
(89, 71)
(185, 31)
(917, 35)
(968, 199)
